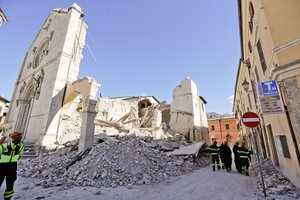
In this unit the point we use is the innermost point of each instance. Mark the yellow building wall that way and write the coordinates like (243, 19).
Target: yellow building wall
(284, 24)
(275, 23)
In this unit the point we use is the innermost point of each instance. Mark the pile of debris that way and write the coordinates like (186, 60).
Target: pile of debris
(114, 162)
(276, 184)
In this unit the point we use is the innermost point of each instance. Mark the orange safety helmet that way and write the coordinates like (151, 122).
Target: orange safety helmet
(243, 143)
(15, 135)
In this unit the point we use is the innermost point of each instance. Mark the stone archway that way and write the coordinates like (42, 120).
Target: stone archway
(25, 104)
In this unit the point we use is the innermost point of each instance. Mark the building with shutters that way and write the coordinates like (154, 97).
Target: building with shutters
(270, 51)
(223, 128)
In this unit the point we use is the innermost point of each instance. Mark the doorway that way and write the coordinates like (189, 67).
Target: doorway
(24, 111)
(272, 145)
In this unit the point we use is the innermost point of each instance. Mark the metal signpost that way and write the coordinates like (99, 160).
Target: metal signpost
(251, 120)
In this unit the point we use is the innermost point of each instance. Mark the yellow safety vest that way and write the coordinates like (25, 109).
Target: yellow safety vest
(11, 152)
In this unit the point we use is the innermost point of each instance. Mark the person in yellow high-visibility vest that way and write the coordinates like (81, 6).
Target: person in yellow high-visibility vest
(10, 153)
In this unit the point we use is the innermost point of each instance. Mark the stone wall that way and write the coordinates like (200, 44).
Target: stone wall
(292, 88)
(51, 61)
(185, 107)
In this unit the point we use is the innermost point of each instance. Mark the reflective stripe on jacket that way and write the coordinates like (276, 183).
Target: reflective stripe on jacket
(214, 149)
(243, 153)
(11, 152)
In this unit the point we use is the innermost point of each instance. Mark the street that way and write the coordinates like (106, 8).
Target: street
(202, 184)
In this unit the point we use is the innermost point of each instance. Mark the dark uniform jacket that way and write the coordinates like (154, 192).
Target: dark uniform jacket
(214, 150)
(243, 153)
(226, 151)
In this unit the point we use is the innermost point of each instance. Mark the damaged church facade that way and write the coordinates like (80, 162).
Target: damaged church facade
(51, 106)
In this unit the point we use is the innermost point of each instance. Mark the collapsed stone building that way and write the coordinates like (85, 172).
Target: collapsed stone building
(51, 106)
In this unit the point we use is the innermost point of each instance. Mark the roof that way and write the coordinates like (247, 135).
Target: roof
(204, 101)
(134, 97)
(239, 4)
(4, 17)
(222, 118)
(188, 150)
(216, 116)
(4, 99)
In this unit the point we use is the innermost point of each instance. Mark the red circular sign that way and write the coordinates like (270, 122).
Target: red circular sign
(250, 119)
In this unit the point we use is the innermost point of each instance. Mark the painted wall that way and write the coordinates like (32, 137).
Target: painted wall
(276, 26)
(222, 127)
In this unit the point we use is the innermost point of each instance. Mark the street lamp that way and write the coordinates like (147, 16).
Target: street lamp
(245, 85)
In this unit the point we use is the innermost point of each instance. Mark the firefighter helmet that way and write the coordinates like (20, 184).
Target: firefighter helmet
(16, 135)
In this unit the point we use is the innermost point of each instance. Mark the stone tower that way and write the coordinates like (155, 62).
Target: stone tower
(50, 64)
(187, 109)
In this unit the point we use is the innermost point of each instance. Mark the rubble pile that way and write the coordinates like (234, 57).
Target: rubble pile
(123, 162)
(70, 124)
(276, 184)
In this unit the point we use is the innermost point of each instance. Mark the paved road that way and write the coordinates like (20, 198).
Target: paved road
(203, 184)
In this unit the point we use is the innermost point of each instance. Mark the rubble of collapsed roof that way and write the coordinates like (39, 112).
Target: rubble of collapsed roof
(122, 161)
(276, 184)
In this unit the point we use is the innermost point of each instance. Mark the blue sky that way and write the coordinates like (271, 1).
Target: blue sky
(138, 47)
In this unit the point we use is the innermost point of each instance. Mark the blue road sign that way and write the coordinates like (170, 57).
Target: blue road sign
(269, 97)
(269, 88)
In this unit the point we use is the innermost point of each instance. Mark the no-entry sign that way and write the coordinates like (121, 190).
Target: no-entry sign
(250, 119)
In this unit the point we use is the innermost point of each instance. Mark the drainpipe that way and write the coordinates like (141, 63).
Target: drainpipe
(220, 129)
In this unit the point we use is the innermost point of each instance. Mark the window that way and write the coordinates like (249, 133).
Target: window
(51, 35)
(251, 13)
(285, 147)
(256, 74)
(251, 10)
(254, 90)
(251, 26)
(250, 47)
(261, 57)
(250, 104)
(227, 126)
(212, 127)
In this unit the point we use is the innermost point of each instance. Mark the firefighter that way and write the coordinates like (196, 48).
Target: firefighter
(222, 155)
(214, 152)
(10, 153)
(244, 157)
(236, 157)
(227, 156)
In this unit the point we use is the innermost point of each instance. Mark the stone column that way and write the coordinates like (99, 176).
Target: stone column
(156, 123)
(87, 127)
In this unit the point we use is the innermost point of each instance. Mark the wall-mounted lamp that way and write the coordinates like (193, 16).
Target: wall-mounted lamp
(245, 85)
